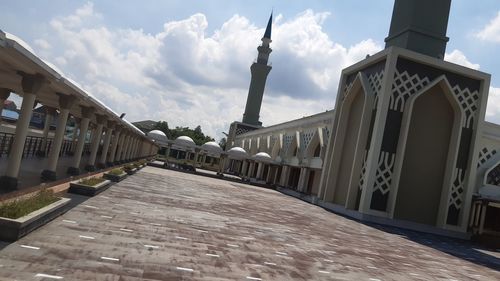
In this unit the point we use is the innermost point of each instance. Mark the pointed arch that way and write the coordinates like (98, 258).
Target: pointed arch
(349, 143)
(429, 140)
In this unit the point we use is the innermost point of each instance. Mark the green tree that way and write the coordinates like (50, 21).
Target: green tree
(163, 126)
(222, 143)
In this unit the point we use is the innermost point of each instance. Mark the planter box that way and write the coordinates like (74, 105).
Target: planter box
(115, 178)
(13, 229)
(131, 172)
(87, 190)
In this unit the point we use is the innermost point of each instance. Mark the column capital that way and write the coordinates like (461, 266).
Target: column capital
(111, 125)
(100, 119)
(4, 93)
(66, 101)
(31, 83)
(87, 112)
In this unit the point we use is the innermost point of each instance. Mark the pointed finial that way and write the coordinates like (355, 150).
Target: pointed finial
(267, 34)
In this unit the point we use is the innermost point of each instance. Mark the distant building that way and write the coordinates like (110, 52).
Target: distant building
(146, 125)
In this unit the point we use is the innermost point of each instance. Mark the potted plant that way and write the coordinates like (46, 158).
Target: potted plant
(23, 215)
(115, 175)
(89, 186)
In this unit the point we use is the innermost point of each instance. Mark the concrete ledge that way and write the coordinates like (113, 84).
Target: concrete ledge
(87, 190)
(132, 171)
(353, 214)
(13, 229)
(304, 197)
(115, 178)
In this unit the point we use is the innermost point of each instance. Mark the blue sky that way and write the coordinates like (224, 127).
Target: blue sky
(187, 62)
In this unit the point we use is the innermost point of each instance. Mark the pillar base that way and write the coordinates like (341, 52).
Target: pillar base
(7, 183)
(90, 168)
(101, 165)
(48, 175)
(73, 171)
(110, 164)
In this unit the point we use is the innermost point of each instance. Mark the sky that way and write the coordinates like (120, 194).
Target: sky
(188, 62)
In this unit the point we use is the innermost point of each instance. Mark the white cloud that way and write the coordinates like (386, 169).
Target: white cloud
(493, 107)
(188, 77)
(491, 32)
(42, 44)
(456, 56)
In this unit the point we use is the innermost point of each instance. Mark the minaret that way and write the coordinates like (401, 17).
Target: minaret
(259, 70)
(420, 26)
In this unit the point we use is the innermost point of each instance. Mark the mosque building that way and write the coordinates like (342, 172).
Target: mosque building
(407, 144)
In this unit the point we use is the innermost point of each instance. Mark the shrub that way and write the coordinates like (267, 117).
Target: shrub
(91, 181)
(21, 207)
(116, 172)
(128, 167)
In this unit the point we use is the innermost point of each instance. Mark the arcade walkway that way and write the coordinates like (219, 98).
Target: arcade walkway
(165, 225)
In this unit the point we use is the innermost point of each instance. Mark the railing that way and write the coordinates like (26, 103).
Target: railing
(33, 146)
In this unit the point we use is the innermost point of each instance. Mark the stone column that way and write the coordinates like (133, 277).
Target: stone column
(65, 103)
(260, 170)
(31, 85)
(116, 139)
(75, 134)
(131, 149)
(124, 144)
(301, 186)
(196, 154)
(126, 153)
(105, 146)
(244, 168)
(96, 140)
(119, 150)
(87, 113)
(49, 114)
(4, 95)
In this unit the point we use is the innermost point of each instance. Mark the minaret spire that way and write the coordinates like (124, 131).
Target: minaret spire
(259, 69)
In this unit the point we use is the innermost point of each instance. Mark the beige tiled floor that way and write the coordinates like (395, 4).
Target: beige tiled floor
(166, 225)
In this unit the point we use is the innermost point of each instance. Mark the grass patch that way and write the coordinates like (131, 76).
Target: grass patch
(128, 167)
(115, 172)
(22, 207)
(91, 181)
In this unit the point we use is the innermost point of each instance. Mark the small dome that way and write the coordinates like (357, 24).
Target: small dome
(262, 156)
(237, 152)
(185, 141)
(157, 135)
(211, 146)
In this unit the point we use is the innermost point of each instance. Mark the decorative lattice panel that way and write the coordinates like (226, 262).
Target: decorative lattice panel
(494, 176)
(362, 174)
(484, 155)
(287, 142)
(383, 176)
(403, 87)
(306, 138)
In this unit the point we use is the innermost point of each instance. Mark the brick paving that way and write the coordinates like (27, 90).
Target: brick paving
(165, 225)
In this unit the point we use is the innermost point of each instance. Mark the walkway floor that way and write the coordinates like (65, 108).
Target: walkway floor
(32, 167)
(165, 225)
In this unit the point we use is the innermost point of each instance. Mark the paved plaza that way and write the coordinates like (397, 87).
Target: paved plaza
(165, 225)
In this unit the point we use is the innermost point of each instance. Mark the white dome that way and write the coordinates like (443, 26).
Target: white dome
(211, 146)
(262, 156)
(237, 152)
(185, 141)
(157, 135)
